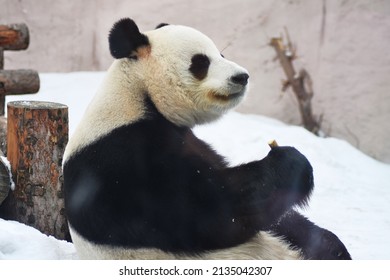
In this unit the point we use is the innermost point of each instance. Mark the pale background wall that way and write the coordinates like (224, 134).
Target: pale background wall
(343, 44)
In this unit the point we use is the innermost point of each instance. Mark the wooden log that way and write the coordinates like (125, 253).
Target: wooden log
(14, 36)
(19, 82)
(37, 135)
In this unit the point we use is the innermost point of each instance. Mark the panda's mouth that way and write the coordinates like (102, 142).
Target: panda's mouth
(225, 97)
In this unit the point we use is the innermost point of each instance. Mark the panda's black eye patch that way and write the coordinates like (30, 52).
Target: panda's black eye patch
(199, 66)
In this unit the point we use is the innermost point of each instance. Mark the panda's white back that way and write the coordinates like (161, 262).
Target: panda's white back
(263, 246)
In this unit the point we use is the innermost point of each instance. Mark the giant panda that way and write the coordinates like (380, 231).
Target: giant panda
(140, 185)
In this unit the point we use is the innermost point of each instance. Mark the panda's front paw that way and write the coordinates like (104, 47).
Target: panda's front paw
(294, 172)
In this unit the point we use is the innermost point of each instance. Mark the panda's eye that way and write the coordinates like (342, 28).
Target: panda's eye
(199, 66)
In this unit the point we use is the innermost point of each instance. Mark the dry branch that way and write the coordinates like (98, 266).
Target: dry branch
(300, 82)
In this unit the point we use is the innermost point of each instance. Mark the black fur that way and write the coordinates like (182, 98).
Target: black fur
(161, 25)
(154, 184)
(199, 66)
(315, 242)
(124, 39)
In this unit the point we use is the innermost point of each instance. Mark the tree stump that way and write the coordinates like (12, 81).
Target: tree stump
(37, 135)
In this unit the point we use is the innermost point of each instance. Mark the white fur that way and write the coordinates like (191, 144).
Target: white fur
(118, 102)
(264, 246)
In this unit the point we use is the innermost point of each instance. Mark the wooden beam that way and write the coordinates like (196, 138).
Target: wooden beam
(19, 82)
(14, 82)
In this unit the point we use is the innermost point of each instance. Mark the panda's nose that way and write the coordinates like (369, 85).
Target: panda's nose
(240, 79)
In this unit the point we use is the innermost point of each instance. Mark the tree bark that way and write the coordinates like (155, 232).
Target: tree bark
(37, 135)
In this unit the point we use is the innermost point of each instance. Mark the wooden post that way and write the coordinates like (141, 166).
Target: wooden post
(37, 135)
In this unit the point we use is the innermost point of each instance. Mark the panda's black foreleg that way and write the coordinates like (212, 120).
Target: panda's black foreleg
(264, 190)
(232, 204)
(315, 243)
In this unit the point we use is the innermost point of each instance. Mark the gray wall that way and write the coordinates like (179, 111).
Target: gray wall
(343, 44)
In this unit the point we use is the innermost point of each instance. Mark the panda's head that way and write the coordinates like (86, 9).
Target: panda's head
(179, 69)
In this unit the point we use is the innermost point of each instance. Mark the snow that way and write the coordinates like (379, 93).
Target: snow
(351, 196)
(18, 241)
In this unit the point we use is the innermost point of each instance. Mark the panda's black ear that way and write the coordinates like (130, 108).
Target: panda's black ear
(161, 25)
(124, 38)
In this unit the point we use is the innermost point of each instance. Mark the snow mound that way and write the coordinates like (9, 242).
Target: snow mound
(18, 241)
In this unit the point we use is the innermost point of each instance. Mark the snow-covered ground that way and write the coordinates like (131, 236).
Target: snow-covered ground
(351, 197)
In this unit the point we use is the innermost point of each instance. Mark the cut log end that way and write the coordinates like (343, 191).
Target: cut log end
(36, 105)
